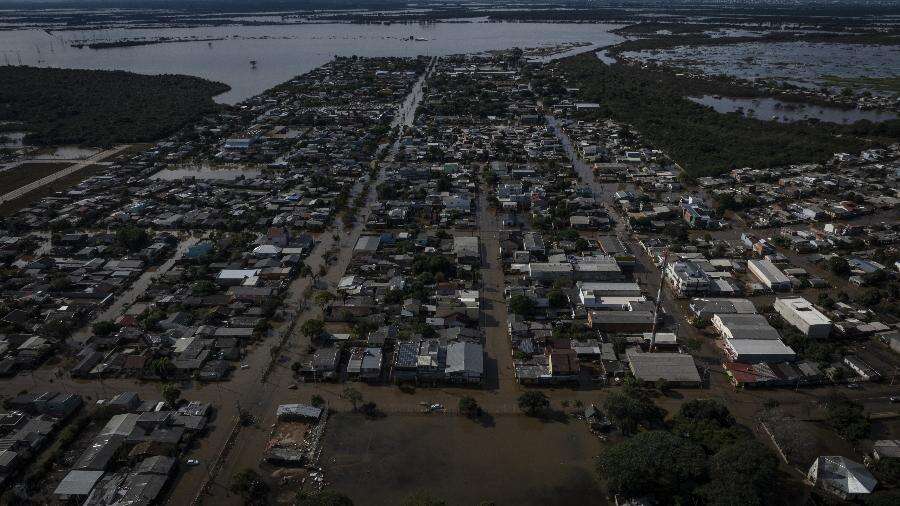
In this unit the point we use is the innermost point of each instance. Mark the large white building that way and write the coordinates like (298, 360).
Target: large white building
(608, 295)
(800, 313)
(769, 274)
(744, 326)
(752, 351)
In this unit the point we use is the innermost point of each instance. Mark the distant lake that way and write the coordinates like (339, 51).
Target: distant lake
(786, 112)
(281, 52)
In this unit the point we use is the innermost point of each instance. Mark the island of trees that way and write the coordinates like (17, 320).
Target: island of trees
(99, 107)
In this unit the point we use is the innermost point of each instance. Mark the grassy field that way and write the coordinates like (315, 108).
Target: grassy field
(63, 183)
(510, 460)
(26, 173)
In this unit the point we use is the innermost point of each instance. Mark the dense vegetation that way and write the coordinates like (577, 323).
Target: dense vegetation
(701, 140)
(98, 107)
(702, 457)
(690, 37)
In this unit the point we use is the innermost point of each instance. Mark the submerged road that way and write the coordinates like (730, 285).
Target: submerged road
(334, 251)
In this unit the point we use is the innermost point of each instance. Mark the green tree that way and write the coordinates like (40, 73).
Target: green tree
(839, 266)
(162, 367)
(708, 423)
(847, 418)
(60, 283)
(104, 328)
(101, 107)
(653, 462)
(741, 473)
(353, 396)
(171, 394)
(522, 305)
(312, 328)
(317, 401)
(629, 412)
(132, 238)
(534, 403)
(888, 470)
(323, 298)
(469, 407)
(557, 299)
(706, 409)
(250, 486)
(203, 287)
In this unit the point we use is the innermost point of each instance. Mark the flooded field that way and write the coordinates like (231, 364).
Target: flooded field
(280, 52)
(517, 460)
(799, 63)
(786, 112)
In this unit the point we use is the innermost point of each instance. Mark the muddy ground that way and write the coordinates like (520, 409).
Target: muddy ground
(507, 459)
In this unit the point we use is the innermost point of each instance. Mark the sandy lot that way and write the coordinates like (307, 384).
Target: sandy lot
(512, 460)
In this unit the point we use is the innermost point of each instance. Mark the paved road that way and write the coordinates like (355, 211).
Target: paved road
(79, 164)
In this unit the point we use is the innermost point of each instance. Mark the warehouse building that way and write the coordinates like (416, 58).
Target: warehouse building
(744, 326)
(769, 275)
(705, 309)
(675, 368)
(800, 313)
(751, 351)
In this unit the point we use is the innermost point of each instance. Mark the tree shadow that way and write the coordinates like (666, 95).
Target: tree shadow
(485, 419)
(554, 416)
(672, 394)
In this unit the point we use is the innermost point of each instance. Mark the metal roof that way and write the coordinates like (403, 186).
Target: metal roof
(301, 410)
(465, 357)
(842, 474)
(674, 367)
(78, 483)
(368, 243)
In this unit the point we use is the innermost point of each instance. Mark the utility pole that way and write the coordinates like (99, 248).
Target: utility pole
(662, 274)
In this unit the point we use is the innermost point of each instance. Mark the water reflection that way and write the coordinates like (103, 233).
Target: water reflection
(281, 52)
(802, 64)
(786, 112)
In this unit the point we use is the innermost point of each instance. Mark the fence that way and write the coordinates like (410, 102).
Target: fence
(217, 462)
